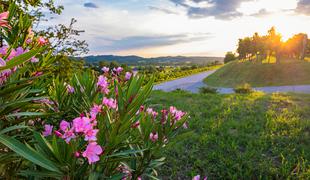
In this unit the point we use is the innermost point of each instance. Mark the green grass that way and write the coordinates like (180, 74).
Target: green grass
(258, 74)
(254, 136)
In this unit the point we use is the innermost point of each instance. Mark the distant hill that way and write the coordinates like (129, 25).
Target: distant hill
(137, 60)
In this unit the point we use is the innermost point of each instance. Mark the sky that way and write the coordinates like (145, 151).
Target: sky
(152, 28)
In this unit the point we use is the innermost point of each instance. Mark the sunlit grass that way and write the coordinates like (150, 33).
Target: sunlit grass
(257, 74)
(239, 136)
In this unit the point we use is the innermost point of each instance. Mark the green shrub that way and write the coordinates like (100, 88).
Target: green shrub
(208, 90)
(179, 90)
(243, 89)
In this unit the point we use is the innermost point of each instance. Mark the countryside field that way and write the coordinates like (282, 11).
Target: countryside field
(254, 136)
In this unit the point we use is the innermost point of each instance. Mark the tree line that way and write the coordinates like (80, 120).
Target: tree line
(261, 47)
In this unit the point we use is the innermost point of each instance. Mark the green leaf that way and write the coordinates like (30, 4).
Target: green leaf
(27, 153)
(12, 128)
(125, 153)
(28, 114)
(40, 174)
(21, 59)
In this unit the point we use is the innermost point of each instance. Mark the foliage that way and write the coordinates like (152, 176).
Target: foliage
(250, 136)
(207, 90)
(24, 75)
(166, 74)
(102, 128)
(128, 134)
(243, 89)
(260, 47)
(229, 56)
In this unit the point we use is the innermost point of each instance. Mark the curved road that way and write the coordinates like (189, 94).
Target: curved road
(194, 82)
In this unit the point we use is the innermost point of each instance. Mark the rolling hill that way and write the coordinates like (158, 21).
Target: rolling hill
(137, 60)
(258, 74)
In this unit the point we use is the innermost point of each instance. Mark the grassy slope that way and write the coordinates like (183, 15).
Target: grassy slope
(239, 136)
(257, 74)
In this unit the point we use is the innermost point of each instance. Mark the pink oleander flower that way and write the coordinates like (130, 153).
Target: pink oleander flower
(47, 130)
(38, 73)
(110, 103)
(105, 69)
(30, 33)
(42, 41)
(154, 136)
(3, 50)
(103, 84)
(20, 51)
(136, 124)
(92, 152)
(198, 178)
(118, 70)
(90, 135)
(3, 19)
(34, 60)
(70, 89)
(125, 170)
(64, 125)
(128, 76)
(164, 116)
(82, 124)
(28, 41)
(176, 113)
(150, 111)
(96, 109)
(68, 135)
(77, 154)
(172, 109)
(57, 133)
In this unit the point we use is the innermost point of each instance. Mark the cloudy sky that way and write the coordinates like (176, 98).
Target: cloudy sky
(180, 27)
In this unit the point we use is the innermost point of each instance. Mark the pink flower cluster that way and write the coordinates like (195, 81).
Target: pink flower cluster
(70, 89)
(3, 19)
(150, 111)
(110, 103)
(176, 114)
(4, 52)
(103, 84)
(80, 127)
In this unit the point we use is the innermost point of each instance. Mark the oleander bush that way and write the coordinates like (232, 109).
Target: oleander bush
(86, 126)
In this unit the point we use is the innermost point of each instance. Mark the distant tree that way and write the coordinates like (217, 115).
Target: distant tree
(114, 64)
(230, 56)
(273, 43)
(241, 49)
(296, 46)
(104, 64)
(308, 48)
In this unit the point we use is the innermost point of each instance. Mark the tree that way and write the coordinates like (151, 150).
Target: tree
(273, 43)
(62, 38)
(229, 57)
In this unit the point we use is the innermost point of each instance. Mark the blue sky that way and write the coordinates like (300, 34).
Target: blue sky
(179, 27)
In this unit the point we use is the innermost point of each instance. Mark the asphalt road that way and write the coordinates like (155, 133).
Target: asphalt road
(194, 82)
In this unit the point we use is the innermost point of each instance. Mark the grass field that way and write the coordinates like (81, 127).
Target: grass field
(255, 136)
(258, 74)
